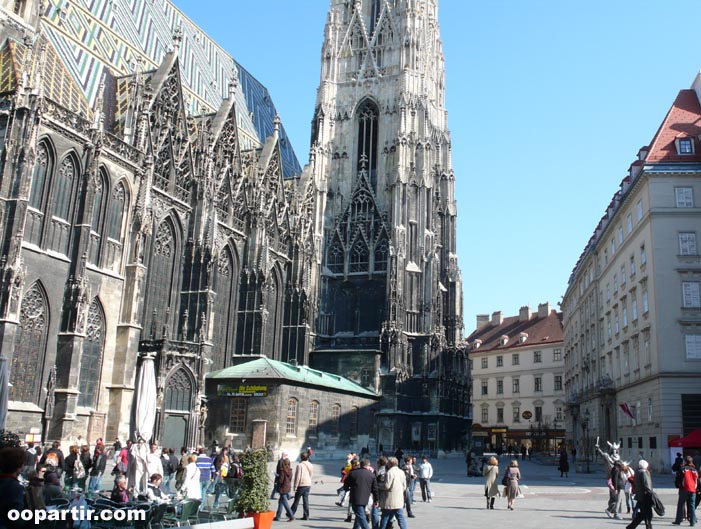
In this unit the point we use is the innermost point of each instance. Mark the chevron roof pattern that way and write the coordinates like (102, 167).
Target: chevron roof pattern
(123, 35)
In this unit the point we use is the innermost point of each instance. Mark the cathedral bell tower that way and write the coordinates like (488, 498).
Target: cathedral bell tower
(390, 307)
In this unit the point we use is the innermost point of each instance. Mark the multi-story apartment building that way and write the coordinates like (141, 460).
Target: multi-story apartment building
(632, 309)
(517, 379)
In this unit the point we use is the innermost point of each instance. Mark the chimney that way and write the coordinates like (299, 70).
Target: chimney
(543, 310)
(497, 318)
(482, 320)
(524, 313)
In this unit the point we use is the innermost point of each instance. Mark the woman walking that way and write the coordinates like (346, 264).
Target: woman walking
(491, 485)
(513, 476)
(284, 487)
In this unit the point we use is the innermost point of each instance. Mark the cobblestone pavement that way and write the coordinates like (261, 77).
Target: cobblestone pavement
(550, 501)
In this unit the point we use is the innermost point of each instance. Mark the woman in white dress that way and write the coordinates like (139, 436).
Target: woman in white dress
(191, 483)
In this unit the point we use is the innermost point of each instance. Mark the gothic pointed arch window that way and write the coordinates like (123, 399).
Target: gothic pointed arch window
(225, 308)
(30, 346)
(335, 419)
(63, 189)
(335, 257)
(116, 212)
(43, 166)
(381, 255)
(91, 361)
(161, 272)
(178, 392)
(359, 259)
(98, 213)
(368, 115)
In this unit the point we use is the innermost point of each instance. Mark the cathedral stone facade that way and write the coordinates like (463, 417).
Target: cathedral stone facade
(152, 206)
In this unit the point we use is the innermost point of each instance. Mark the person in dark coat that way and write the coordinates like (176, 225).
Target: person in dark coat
(284, 487)
(642, 485)
(564, 465)
(361, 483)
(11, 490)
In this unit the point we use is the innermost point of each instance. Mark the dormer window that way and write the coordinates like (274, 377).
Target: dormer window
(522, 337)
(503, 340)
(685, 146)
(476, 344)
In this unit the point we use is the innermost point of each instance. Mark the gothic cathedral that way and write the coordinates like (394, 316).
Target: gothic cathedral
(152, 207)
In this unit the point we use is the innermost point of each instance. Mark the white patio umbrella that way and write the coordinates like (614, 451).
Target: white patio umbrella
(145, 419)
(4, 391)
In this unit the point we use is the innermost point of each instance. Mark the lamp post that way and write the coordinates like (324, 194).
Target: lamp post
(585, 425)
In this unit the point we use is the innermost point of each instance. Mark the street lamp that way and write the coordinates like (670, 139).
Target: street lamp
(585, 425)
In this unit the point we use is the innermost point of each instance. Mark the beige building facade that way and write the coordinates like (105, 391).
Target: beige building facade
(632, 309)
(518, 380)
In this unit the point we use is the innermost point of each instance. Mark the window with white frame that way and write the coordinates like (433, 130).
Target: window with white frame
(620, 235)
(616, 326)
(557, 355)
(687, 243)
(515, 385)
(615, 283)
(629, 222)
(624, 312)
(485, 415)
(485, 362)
(537, 357)
(558, 382)
(539, 413)
(500, 361)
(608, 327)
(693, 346)
(691, 294)
(623, 275)
(485, 388)
(632, 265)
(646, 305)
(685, 146)
(559, 416)
(515, 359)
(634, 309)
(684, 196)
(639, 209)
(538, 383)
(649, 409)
(516, 414)
(613, 247)
(500, 415)
(608, 292)
(643, 256)
(500, 386)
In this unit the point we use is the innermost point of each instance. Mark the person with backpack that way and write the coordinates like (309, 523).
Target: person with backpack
(53, 457)
(168, 470)
(686, 481)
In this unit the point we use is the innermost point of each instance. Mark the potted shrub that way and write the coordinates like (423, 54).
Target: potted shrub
(254, 494)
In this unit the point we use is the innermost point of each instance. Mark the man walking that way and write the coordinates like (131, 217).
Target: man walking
(393, 501)
(204, 464)
(361, 483)
(687, 482)
(642, 483)
(302, 485)
(425, 475)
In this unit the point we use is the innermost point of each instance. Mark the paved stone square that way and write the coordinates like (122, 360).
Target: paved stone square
(550, 501)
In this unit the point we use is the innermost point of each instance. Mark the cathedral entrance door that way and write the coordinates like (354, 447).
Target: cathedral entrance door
(174, 432)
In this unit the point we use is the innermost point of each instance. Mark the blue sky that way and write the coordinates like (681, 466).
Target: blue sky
(548, 103)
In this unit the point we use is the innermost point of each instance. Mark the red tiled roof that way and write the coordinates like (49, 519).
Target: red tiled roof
(682, 121)
(540, 331)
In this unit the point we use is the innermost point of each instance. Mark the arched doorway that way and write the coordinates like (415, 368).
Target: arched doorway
(177, 407)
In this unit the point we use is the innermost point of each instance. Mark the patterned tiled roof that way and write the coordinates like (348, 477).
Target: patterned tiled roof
(93, 35)
(682, 121)
(540, 331)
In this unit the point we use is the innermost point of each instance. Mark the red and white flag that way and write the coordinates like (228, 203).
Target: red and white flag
(626, 409)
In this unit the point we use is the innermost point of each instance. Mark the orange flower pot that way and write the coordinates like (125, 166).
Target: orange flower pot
(262, 520)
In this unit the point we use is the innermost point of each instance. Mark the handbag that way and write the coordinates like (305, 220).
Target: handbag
(505, 479)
